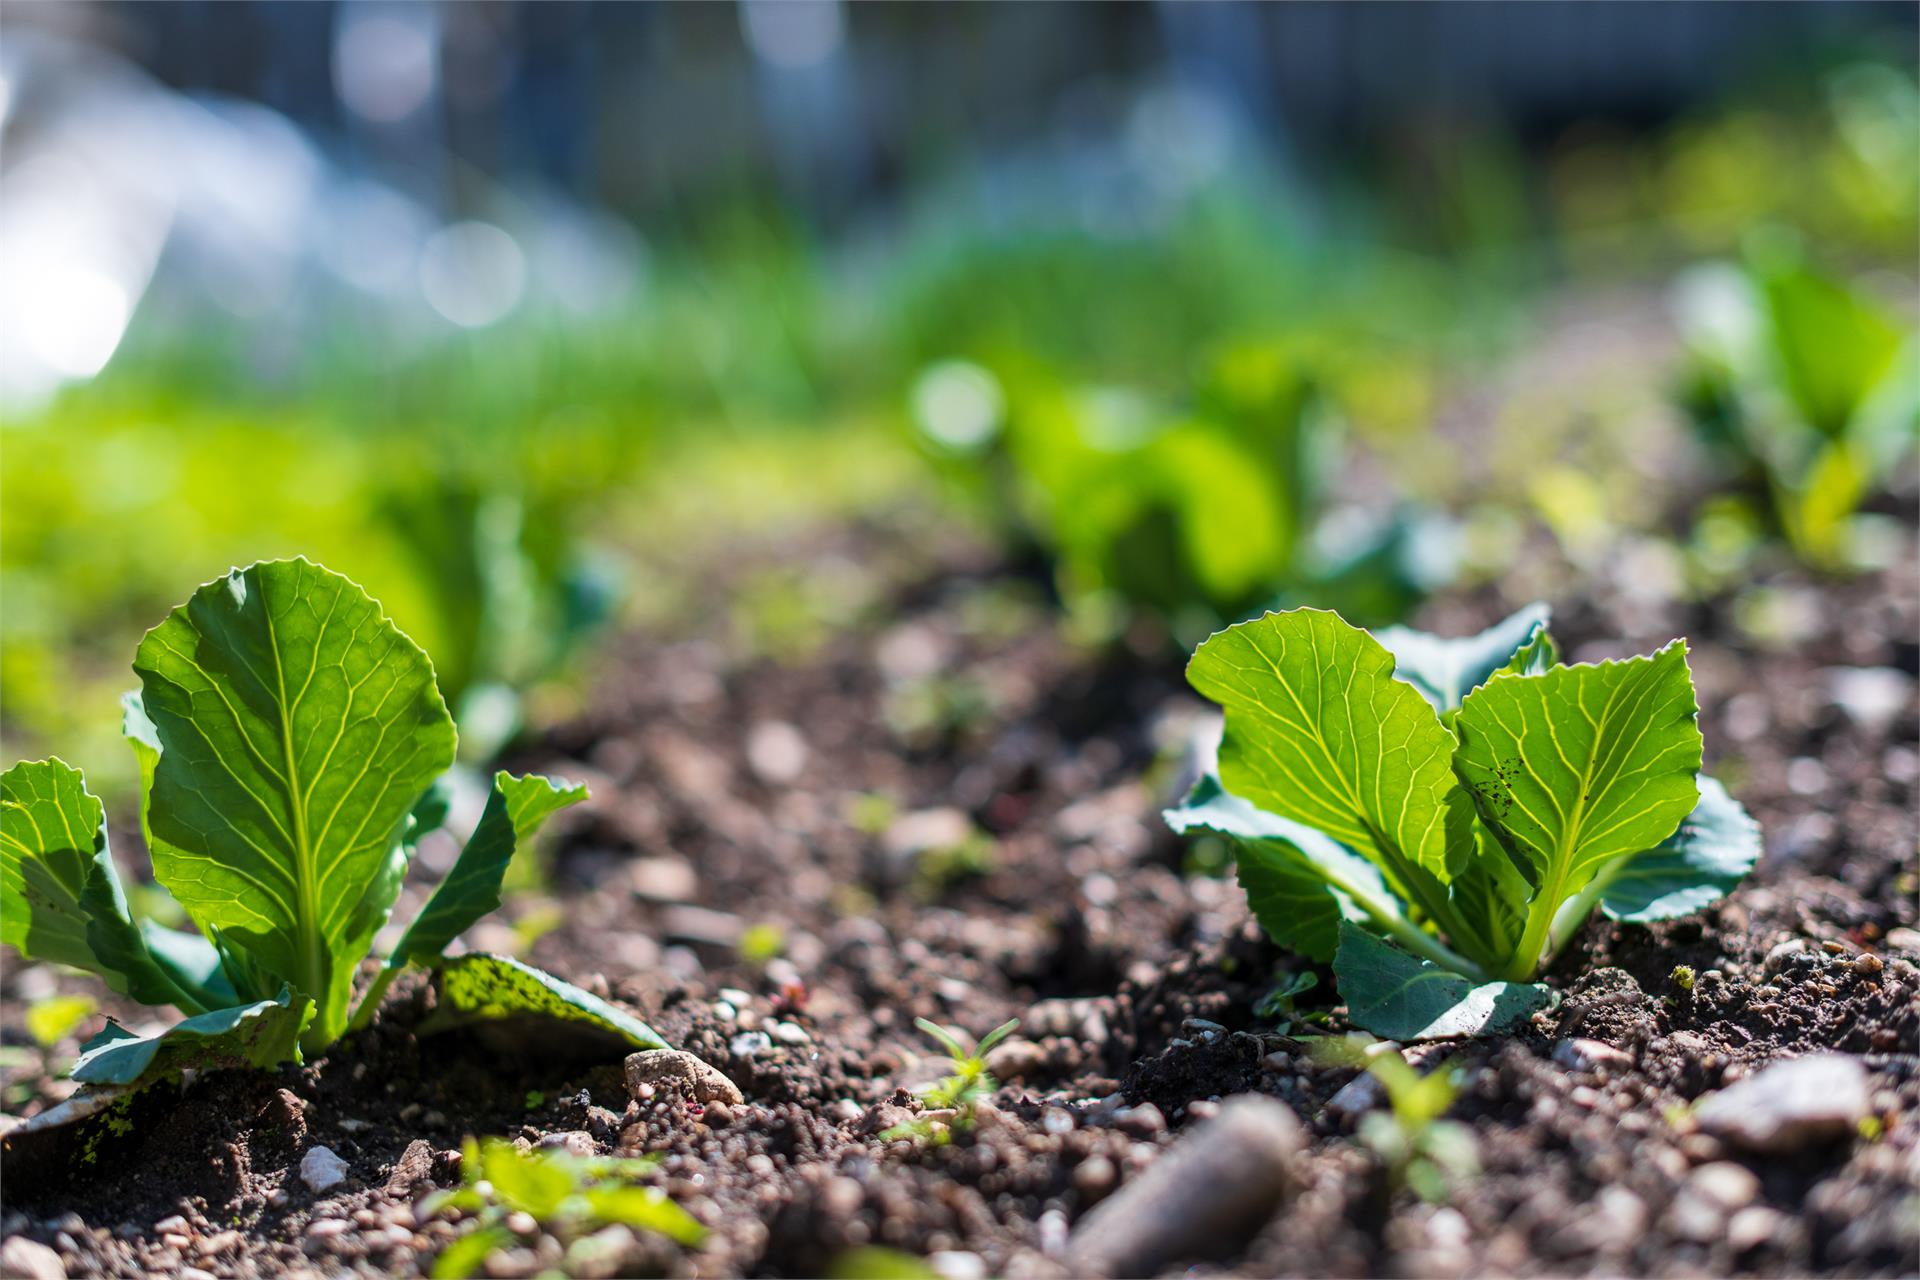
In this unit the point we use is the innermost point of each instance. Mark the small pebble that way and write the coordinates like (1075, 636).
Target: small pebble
(220, 1243)
(1361, 1094)
(1591, 1055)
(321, 1169)
(749, 1044)
(953, 1264)
(1751, 1227)
(573, 1142)
(1143, 1121)
(1728, 1185)
(30, 1260)
(682, 1071)
(1790, 1104)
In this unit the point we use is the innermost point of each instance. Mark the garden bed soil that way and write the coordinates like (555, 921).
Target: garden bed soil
(953, 815)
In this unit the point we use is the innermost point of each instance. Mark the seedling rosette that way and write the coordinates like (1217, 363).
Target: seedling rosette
(293, 749)
(1437, 818)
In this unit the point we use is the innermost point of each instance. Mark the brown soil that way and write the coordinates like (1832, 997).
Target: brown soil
(1134, 982)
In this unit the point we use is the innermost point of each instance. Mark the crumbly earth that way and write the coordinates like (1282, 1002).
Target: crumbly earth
(951, 813)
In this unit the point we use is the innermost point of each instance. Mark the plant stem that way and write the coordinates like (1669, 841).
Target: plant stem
(1528, 955)
(1406, 933)
(184, 998)
(1414, 879)
(1571, 915)
(364, 1011)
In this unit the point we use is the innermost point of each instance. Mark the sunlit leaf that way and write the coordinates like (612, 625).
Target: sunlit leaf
(1319, 732)
(1714, 849)
(60, 896)
(297, 729)
(485, 988)
(1403, 997)
(263, 1034)
(1583, 764)
(1293, 875)
(52, 1020)
(1445, 669)
(515, 809)
(645, 1209)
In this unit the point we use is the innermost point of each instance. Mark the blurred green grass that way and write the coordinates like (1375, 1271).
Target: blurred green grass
(499, 490)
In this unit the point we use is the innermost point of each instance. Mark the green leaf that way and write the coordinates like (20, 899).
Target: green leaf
(60, 896)
(1446, 669)
(191, 962)
(515, 809)
(1831, 346)
(1292, 874)
(297, 729)
(1582, 765)
(1490, 895)
(137, 728)
(52, 1020)
(1817, 506)
(430, 811)
(527, 1182)
(876, 1262)
(263, 1034)
(1405, 998)
(464, 1257)
(645, 1209)
(1704, 860)
(1319, 732)
(479, 987)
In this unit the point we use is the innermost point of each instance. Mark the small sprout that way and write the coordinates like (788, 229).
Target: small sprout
(762, 942)
(535, 1098)
(1682, 976)
(1872, 1128)
(570, 1196)
(52, 1020)
(953, 1096)
(1277, 1004)
(1417, 1146)
(874, 1262)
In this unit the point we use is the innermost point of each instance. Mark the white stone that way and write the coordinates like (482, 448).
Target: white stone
(30, 1260)
(955, 1264)
(321, 1169)
(1362, 1093)
(776, 751)
(1728, 1185)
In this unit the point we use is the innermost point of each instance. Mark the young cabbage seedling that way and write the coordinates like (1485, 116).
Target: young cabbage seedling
(1804, 387)
(293, 750)
(572, 1196)
(1439, 817)
(949, 1102)
(1413, 1141)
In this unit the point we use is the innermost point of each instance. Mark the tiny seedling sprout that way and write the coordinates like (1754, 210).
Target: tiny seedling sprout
(949, 1102)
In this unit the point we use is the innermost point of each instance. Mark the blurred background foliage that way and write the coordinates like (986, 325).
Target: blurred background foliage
(513, 311)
